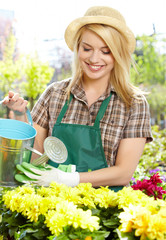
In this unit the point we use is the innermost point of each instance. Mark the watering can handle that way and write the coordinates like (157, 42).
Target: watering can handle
(29, 117)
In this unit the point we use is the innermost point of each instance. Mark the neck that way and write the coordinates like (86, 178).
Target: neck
(94, 89)
(94, 85)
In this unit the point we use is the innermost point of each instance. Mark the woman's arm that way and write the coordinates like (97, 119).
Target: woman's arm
(129, 153)
(42, 133)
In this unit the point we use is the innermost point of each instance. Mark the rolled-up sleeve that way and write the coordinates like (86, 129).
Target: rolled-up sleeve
(40, 110)
(138, 124)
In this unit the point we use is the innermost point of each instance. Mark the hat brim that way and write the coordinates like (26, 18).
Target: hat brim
(75, 25)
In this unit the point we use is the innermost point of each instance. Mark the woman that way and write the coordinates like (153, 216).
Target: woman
(99, 115)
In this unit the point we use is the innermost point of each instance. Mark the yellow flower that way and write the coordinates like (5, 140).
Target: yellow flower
(84, 219)
(25, 189)
(141, 221)
(13, 198)
(68, 214)
(7, 198)
(162, 211)
(45, 192)
(15, 202)
(85, 187)
(105, 197)
(135, 217)
(147, 224)
(85, 193)
(48, 203)
(127, 218)
(70, 194)
(33, 210)
(55, 222)
(24, 204)
(61, 217)
(129, 196)
(58, 188)
(157, 227)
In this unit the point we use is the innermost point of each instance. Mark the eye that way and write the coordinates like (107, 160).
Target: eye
(86, 49)
(106, 52)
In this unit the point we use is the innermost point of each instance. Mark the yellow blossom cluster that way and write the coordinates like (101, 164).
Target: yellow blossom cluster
(63, 206)
(67, 214)
(143, 214)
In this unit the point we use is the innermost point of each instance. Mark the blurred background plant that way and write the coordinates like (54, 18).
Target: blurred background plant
(150, 58)
(153, 159)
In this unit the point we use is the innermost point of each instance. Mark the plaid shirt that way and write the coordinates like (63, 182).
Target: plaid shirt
(117, 123)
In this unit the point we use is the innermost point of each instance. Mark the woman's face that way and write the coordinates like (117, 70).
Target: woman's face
(95, 57)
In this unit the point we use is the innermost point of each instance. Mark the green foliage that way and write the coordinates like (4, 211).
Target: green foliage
(150, 62)
(71, 234)
(10, 69)
(18, 227)
(157, 102)
(9, 72)
(151, 75)
(154, 155)
(37, 76)
(30, 74)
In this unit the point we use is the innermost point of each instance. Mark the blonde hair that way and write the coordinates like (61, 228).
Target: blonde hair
(120, 74)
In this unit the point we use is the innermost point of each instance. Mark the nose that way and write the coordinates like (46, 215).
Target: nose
(94, 57)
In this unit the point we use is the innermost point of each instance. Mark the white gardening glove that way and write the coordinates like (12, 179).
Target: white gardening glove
(44, 178)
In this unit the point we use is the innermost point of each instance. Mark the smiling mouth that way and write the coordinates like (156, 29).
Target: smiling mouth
(95, 67)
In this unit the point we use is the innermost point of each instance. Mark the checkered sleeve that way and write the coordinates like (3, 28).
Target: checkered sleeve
(40, 110)
(138, 124)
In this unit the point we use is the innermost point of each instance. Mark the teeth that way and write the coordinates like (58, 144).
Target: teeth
(95, 67)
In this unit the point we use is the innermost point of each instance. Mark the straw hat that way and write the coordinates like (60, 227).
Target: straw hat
(100, 15)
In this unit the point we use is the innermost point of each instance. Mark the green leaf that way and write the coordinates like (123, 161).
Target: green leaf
(12, 231)
(100, 235)
(111, 223)
(41, 233)
(30, 230)
(62, 237)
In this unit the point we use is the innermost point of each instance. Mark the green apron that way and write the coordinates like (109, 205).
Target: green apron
(83, 142)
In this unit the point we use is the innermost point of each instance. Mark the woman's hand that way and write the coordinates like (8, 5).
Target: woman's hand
(16, 103)
(43, 176)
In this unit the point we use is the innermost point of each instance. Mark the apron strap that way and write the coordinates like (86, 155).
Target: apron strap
(101, 111)
(64, 109)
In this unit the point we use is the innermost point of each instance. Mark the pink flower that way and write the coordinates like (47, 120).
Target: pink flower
(155, 178)
(150, 186)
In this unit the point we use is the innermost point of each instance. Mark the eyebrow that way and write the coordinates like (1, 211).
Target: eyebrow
(91, 46)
